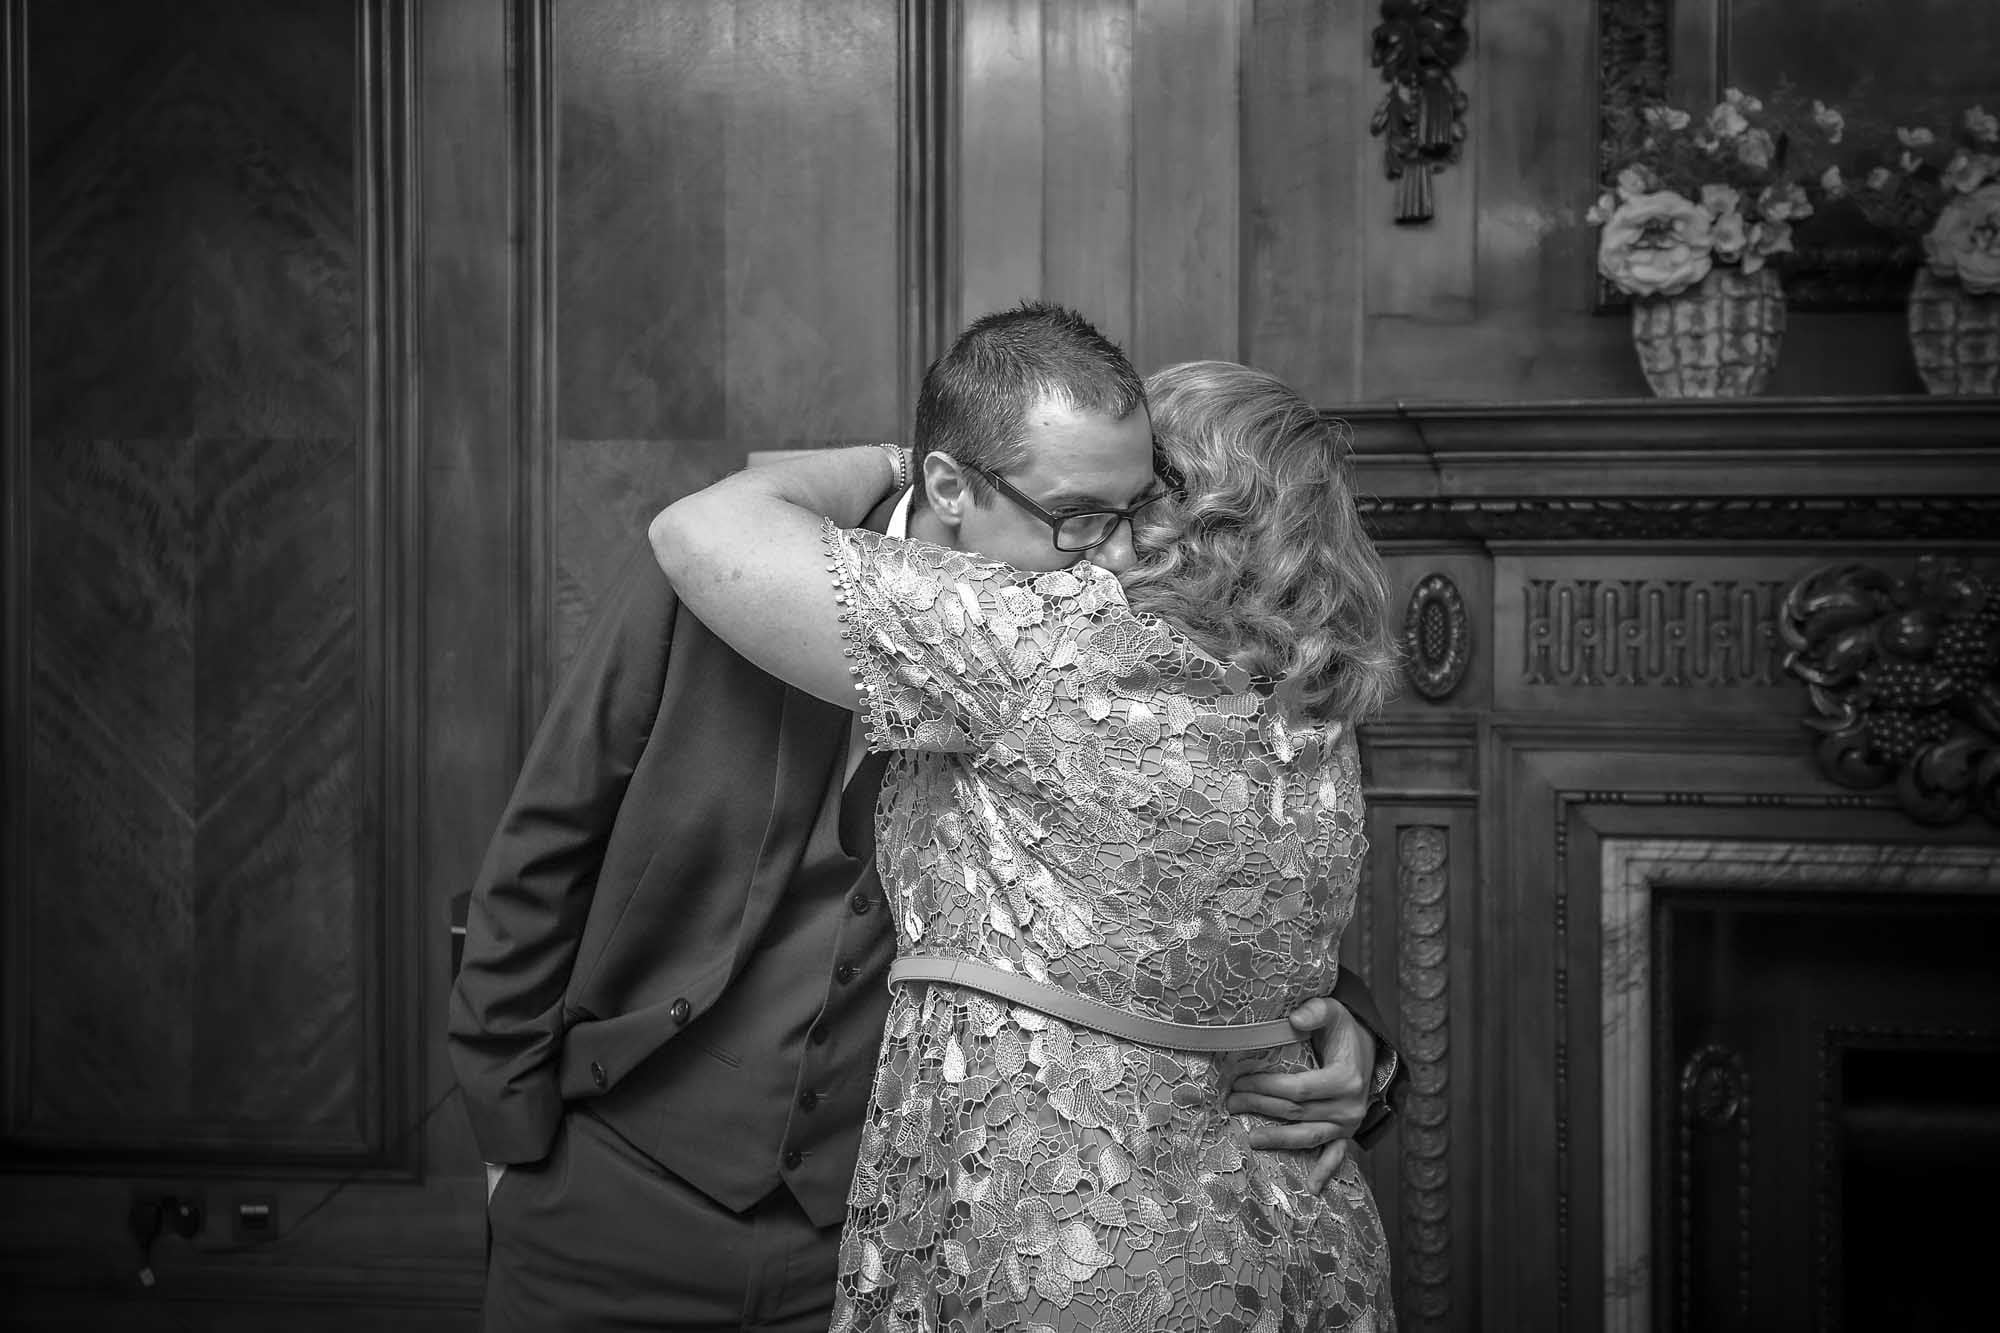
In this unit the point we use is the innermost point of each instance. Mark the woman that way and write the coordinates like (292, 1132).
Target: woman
(1123, 842)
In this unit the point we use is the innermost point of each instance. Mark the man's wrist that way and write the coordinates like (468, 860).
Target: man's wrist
(1387, 1062)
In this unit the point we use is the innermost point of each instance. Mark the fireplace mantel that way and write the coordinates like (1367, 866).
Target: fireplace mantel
(1662, 451)
(1592, 594)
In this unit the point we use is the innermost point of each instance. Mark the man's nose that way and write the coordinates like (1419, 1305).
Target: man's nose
(1116, 553)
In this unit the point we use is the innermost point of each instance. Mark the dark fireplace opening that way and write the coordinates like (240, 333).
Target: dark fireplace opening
(1827, 1105)
(1918, 1125)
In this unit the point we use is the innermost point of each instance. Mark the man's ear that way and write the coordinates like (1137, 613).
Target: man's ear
(945, 488)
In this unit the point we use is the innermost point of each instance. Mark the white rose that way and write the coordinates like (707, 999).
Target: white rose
(1965, 242)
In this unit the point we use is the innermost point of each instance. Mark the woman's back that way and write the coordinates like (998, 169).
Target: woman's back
(1092, 802)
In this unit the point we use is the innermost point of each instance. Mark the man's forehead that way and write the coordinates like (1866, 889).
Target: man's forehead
(1058, 436)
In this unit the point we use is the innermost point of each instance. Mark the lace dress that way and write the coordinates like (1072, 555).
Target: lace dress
(1085, 797)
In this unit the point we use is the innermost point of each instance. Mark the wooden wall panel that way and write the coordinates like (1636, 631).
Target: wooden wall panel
(1002, 138)
(215, 545)
(197, 621)
(480, 396)
(727, 263)
(1186, 180)
(1088, 222)
(1304, 84)
(1261, 223)
(643, 107)
(812, 285)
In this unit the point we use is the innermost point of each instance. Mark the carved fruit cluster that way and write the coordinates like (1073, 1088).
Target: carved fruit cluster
(1904, 675)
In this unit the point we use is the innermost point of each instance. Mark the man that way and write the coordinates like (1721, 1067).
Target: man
(673, 990)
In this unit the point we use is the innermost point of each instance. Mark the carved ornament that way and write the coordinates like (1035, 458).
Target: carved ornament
(1437, 638)
(1904, 677)
(1423, 975)
(1651, 632)
(1422, 117)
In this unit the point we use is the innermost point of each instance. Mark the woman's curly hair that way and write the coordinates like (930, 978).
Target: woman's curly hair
(1261, 558)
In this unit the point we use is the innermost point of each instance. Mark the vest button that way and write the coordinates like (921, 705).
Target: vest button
(844, 973)
(818, 1036)
(808, 1100)
(860, 904)
(793, 1158)
(680, 1011)
(597, 1074)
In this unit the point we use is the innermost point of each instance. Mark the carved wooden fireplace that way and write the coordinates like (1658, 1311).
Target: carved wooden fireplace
(1685, 880)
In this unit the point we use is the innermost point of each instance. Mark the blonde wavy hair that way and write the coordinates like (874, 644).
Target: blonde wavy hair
(1262, 561)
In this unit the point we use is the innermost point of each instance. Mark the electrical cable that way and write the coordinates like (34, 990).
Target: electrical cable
(147, 1230)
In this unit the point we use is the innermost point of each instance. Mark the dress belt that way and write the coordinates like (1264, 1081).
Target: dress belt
(1094, 1014)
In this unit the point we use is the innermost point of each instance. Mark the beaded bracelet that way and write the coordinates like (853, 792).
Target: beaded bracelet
(899, 464)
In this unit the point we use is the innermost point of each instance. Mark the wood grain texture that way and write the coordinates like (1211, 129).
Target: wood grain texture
(192, 1013)
(1001, 138)
(643, 94)
(812, 279)
(193, 248)
(1087, 162)
(1303, 91)
(195, 710)
(276, 1009)
(204, 791)
(473, 674)
(1186, 180)
(730, 273)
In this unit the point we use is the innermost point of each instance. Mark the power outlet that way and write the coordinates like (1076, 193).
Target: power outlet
(166, 1211)
(256, 1218)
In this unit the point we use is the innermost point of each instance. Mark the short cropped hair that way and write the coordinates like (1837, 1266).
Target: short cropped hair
(975, 399)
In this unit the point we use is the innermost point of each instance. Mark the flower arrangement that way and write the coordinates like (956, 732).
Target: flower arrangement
(1690, 194)
(1942, 191)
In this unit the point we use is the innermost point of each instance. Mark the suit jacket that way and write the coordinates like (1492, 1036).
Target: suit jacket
(663, 810)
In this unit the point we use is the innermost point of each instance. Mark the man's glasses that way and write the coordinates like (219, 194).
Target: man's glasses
(1083, 530)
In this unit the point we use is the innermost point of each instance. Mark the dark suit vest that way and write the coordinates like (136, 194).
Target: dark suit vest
(769, 1086)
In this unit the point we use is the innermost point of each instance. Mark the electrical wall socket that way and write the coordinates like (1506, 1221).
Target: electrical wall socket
(181, 1211)
(256, 1218)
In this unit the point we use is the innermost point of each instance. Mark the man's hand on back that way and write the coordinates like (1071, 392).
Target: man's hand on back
(1323, 1107)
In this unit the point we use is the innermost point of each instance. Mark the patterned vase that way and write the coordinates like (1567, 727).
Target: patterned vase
(1718, 339)
(1954, 335)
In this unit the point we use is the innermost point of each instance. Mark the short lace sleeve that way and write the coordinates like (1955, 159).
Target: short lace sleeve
(949, 648)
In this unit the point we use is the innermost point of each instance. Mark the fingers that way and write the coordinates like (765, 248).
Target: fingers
(1292, 1138)
(1341, 1110)
(1312, 1085)
(1313, 1015)
(1330, 1160)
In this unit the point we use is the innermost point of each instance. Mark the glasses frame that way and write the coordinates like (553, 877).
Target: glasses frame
(1165, 476)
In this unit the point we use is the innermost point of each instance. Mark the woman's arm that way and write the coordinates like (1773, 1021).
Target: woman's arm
(746, 556)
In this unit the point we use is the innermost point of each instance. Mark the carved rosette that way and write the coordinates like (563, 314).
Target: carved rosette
(1422, 117)
(1423, 852)
(1437, 638)
(1904, 678)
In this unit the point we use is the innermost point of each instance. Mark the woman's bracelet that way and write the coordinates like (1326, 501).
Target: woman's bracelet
(899, 464)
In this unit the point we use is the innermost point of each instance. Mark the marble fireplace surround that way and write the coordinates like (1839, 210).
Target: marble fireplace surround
(1632, 869)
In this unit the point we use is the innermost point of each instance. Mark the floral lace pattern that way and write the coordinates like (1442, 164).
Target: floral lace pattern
(1085, 797)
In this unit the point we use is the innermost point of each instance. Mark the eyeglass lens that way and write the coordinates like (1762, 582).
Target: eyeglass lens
(1081, 532)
